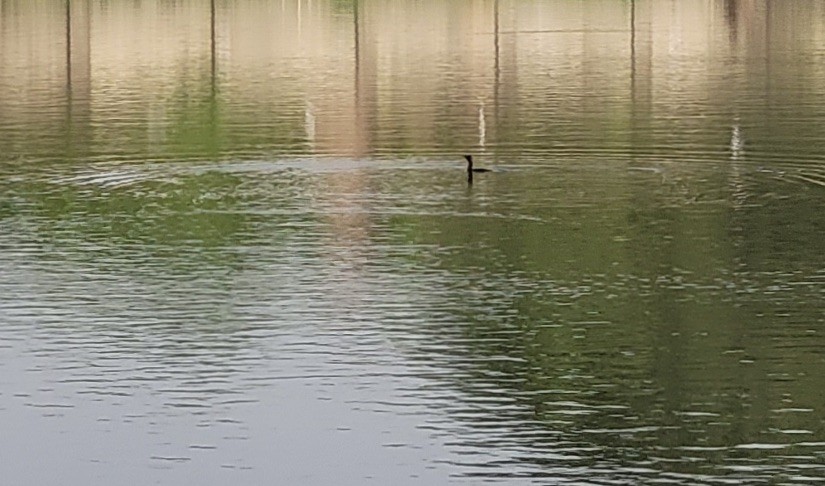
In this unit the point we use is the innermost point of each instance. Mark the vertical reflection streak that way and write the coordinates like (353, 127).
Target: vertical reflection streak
(496, 64)
(69, 49)
(212, 44)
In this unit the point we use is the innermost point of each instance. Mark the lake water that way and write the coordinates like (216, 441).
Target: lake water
(238, 244)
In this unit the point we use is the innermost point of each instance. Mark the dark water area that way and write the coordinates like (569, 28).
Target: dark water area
(238, 244)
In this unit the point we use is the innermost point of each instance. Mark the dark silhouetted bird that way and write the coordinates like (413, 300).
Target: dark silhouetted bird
(470, 169)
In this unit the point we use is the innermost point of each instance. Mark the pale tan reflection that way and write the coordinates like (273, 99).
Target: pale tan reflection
(358, 72)
(348, 214)
(351, 75)
(348, 131)
(78, 73)
(366, 97)
(747, 17)
(482, 127)
(78, 51)
(402, 44)
(641, 63)
(746, 22)
(33, 55)
(300, 57)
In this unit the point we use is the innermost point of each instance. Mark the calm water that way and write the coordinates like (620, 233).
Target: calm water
(237, 243)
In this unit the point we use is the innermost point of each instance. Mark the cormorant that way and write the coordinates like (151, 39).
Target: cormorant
(470, 169)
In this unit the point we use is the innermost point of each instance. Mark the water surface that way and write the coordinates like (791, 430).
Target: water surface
(238, 244)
